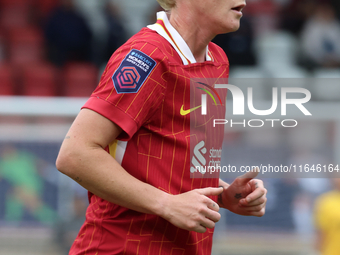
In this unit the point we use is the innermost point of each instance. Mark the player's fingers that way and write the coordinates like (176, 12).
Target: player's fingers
(210, 191)
(195, 226)
(213, 206)
(207, 223)
(259, 201)
(245, 178)
(200, 229)
(259, 213)
(255, 208)
(206, 220)
(212, 215)
(256, 183)
(256, 194)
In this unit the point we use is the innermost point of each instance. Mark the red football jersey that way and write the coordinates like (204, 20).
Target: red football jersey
(145, 89)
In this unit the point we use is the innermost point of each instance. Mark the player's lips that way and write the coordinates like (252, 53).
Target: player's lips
(239, 8)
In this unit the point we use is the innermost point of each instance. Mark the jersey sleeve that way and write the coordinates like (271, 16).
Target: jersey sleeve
(132, 87)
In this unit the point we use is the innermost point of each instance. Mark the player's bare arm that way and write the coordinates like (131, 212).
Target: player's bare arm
(83, 158)
(244, 196)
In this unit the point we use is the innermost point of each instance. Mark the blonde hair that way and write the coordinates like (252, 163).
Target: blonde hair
(167, 4)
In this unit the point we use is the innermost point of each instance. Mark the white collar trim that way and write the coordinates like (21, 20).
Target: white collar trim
(176, 41)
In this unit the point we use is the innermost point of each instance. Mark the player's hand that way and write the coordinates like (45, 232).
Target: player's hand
(193, 210)
(245, 196)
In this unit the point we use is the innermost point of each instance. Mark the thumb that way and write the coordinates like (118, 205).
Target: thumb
(210, 191)
(245, 178)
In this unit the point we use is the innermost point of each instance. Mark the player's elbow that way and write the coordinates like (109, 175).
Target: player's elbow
(65, 162)
(60, 162)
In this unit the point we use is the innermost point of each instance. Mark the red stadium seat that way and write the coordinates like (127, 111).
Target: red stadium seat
(80, 79)
(7, 85)
(39, 80)
(16, 13)
(46, 6)
(25, 46)
(25, 3)
(27, 35)
(14, 17)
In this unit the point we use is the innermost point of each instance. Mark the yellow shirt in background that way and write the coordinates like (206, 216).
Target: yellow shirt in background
(327, 220)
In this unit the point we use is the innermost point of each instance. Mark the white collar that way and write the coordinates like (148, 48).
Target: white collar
(166, 30)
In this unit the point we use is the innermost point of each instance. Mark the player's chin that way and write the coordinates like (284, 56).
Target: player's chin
(235, 25)
(232, 26)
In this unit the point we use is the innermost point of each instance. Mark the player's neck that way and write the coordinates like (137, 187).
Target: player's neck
(196, 37)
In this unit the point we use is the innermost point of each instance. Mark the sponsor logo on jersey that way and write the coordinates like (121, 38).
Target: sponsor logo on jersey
(132, 72)
(198, 161)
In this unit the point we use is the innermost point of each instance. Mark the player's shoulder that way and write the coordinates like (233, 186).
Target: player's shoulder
(217, 53)
(137, 63)
(151, 39)
(140, 52)
(150, 42)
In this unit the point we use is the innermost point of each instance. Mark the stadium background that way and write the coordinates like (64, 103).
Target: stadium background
(44, 83)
